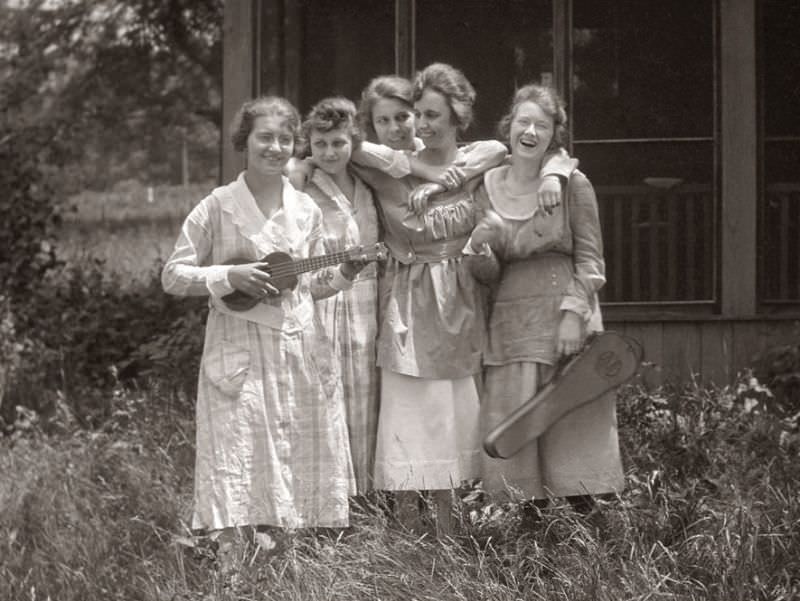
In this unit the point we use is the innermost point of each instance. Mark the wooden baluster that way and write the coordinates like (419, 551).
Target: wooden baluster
(672, 247)
(636, 292)
(691, 244)
(784, 199)
(619, 254)
(653, 255)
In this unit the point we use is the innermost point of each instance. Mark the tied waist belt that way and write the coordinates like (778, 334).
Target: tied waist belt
(427, 252)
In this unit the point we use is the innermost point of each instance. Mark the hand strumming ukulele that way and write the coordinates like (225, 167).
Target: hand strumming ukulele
(283, 270)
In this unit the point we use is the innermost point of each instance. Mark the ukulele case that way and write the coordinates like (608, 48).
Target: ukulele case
(607, 360)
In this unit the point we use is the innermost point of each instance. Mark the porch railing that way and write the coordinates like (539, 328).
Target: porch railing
(659, 243)
(779, 260)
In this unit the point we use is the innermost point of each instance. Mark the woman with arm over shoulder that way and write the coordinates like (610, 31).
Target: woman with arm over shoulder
(272, 446)
(350, 319)
(544, 306)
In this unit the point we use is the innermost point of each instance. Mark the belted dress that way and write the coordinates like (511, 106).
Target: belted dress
(550, 264)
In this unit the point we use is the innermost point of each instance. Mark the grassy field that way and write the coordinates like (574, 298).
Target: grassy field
(124, 230)
(711, 512)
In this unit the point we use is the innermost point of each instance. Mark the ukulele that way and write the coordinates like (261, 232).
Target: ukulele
(283, 270)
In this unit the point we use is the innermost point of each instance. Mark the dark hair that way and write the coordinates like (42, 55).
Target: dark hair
(453, 85)
(329, 114)
(549, 101)
(391, 87)
(264, 106)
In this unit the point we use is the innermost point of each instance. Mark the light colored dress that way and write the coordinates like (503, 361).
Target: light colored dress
(431, 337)
(432, 332)
(351, 317)
(272, 445)
(550, 264)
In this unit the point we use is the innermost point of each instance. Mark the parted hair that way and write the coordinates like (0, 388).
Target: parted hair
(264, 106)
(549, 101)
(329, 114)
(383, 87)
(453, 85)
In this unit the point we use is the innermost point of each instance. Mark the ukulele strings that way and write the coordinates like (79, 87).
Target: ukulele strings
(310, 264)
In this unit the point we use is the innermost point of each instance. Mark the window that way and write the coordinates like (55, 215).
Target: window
(320, 48)
(643, 123)
(779, 224)
(498, 44)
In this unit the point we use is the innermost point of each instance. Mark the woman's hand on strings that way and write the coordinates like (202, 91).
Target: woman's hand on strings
(253, 279)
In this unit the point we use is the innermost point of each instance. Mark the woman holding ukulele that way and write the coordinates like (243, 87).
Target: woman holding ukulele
(272, 444)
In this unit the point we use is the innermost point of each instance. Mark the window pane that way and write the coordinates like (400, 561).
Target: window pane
(498, 44)
(642, 69)
(344, 45)
(780, 207)
(652, 85)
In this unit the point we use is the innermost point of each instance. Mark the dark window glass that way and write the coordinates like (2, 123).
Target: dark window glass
(498, 44)
(780, 207)
(642, 115)
(642, 69)
(344, 45)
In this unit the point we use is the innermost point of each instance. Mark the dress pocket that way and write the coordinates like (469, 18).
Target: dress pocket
(227, 365)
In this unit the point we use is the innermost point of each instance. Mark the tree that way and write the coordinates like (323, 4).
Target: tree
(118, 84)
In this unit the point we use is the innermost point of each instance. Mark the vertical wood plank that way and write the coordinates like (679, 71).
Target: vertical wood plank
(650, 336)
(681, 351)
(739, 136)
(747, 344)
(237, 75)
(716, 338)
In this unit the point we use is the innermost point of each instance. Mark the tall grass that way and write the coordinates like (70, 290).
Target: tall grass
(124, 230)
(711, 511)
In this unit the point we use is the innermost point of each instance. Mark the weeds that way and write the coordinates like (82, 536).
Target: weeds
(711, 512)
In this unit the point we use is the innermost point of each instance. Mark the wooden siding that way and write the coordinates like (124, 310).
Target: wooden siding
(712, 351)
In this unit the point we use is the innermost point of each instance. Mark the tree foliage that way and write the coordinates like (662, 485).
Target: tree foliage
(118, 84)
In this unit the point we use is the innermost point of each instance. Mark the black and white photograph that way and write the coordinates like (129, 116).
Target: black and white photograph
(400, 300)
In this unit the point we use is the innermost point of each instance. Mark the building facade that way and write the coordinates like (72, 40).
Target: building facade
(683, 114)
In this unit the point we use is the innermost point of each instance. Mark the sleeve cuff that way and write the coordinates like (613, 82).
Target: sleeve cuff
(339, 282)
(400, 165)
(581, 308)
(217, 280)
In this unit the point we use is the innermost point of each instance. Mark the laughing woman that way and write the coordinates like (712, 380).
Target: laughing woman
(349, 318)
(545, 304)
(272, 445)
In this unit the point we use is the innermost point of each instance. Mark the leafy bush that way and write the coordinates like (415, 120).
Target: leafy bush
(779, 367)
(84, 332)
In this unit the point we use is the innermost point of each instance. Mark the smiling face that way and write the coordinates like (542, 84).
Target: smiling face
(394, 123)
(269, 145)
(531, 131)
(435, 124)
(331, 150)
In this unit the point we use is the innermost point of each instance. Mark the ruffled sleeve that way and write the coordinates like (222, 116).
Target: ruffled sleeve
(589, 275)
(187, 272)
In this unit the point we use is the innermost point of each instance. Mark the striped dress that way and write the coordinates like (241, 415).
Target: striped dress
(350, 318)
(272, 444)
